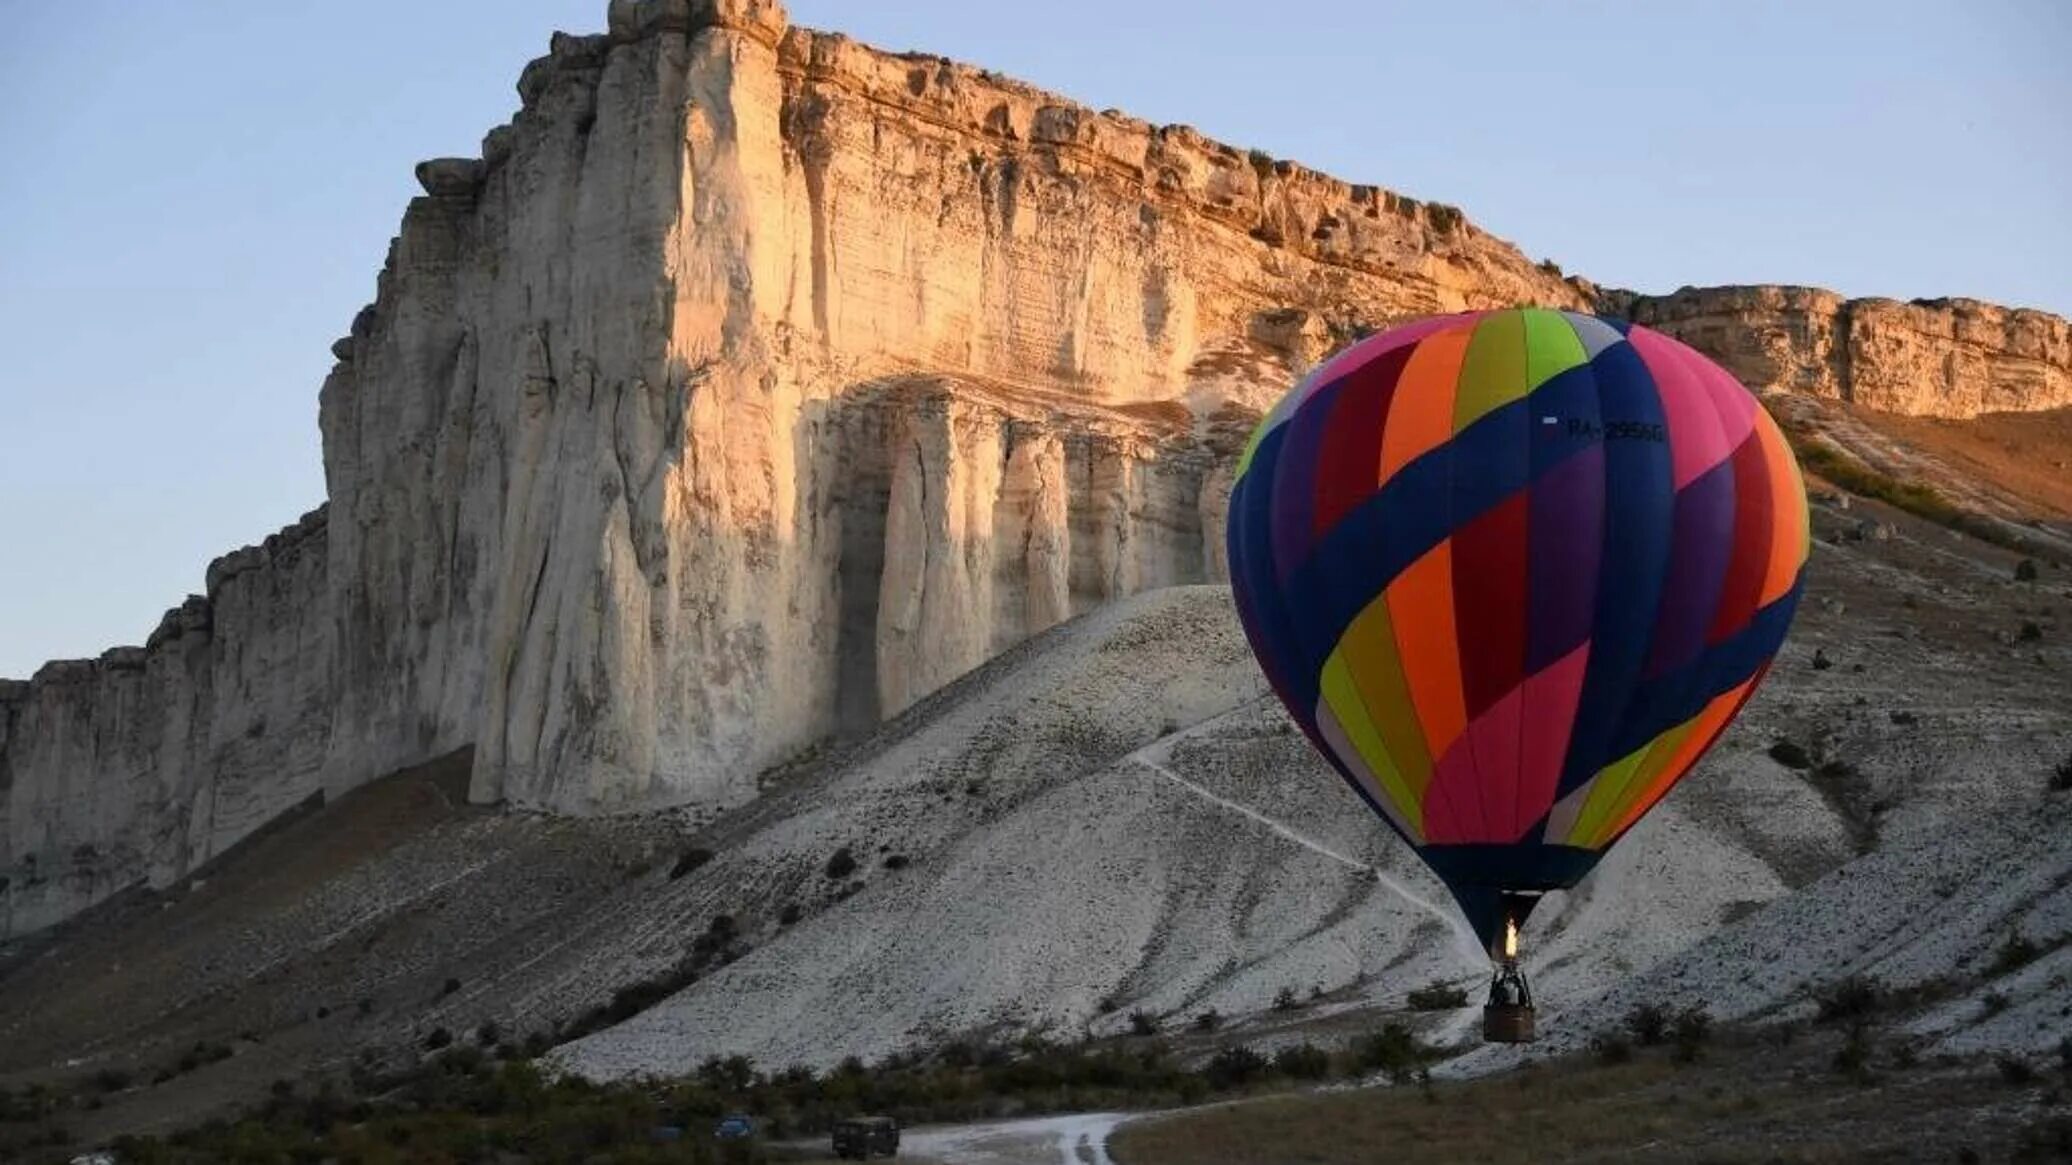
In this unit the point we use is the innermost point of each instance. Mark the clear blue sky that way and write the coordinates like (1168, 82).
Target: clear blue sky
(195, 196)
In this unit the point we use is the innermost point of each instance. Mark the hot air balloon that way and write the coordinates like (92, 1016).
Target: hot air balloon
(1513, 572)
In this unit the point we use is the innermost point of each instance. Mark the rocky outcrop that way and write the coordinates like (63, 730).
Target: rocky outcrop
(749, 387)
(1941, 357)
(146, 762)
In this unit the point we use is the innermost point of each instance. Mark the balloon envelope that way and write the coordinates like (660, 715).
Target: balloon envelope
(1514, 572)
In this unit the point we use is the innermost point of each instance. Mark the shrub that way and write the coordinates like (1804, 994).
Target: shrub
(1855, 997)
(439, 1038)
(1990, 1004)
(788, 915)
(1903, 718)
(1284, 999)
(1790, 755)
(626, 1002)
(2025, 570)
(2030, 633)
(2061, 777)
(1649, 1025)
(842, 864)
(1234, 1067)
(2049, 1139)
(450, 986)
(1208, 1021)
(2016, 953)
(111, 1079)
(1612, 1048)
(897, 862)
(1394, 1051)
(1853, 1058)
(1143, 1023)
(2015, 1070)
(487, 1033)
(692, 858)
(199, 1055)
(2065, 1054)
(1693, 1027)
(1437, 996)
(1303, 1062)
(1917, 499)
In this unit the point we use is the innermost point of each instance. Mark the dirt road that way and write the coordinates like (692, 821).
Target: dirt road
(1074, 1139)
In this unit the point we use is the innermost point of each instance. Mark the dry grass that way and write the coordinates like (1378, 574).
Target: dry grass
(2027, 454)
(1746, 1102)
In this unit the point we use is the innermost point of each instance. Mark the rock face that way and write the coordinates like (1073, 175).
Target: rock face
(1942, 358)
(750, 386)
(148, 761)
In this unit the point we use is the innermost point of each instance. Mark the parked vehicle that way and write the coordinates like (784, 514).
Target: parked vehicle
(863, 1137)
(734, 1127)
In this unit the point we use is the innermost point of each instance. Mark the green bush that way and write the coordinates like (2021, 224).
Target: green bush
(1853, 998)
(2049, 1139)
(842, 864)
(1853, 1058)
(464, 1106)
(2016, 953)
(1437, 996)
(1302, 1062)
(1790, 755)
(1394, 1051)
(1235, 1067)
(2015, 1070)
(692, 858)
(1690, 1031)
(1649, 1024)
(1915, 498)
